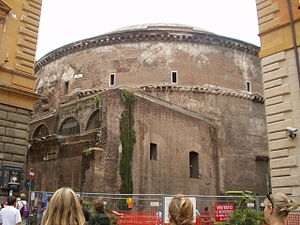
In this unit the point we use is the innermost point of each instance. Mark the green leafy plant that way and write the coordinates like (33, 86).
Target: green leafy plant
(127, 137)
(89, 151)
(78, 108)
(243, 215)
(56, 113)
(97, 101)
(246, 216)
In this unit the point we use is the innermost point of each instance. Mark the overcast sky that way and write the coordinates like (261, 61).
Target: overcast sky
(66, 21)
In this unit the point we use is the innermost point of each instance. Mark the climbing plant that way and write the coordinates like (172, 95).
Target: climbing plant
(97, 101)
(213, 133)
(127, 137)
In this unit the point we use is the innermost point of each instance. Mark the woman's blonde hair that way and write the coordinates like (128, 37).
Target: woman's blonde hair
(181, 210)
(64, 209)
(281, 203)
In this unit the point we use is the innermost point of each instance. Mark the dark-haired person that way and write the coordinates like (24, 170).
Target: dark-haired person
(10, 215)
(99, 217)
(277, 208)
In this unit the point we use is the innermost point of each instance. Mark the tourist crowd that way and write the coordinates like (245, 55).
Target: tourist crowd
(66, 208)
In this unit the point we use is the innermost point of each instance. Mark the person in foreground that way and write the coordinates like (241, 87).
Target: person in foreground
(64, 209)
(277, 208)
(181, 211)
(99, 217)
(10, 215)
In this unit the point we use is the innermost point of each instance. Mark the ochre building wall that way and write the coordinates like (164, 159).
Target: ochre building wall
(19, 25)
(279, 30)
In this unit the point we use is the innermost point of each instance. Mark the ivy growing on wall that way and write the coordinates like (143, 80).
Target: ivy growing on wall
(97, 101)
(213, 133)
(127, 137)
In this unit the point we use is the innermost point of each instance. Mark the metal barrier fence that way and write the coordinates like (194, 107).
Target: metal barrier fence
(152, 209)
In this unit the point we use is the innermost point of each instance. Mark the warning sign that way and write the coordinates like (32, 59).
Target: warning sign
(222, 212)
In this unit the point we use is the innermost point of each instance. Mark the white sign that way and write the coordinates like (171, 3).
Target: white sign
(154, 204)
(166, 208)
(32, 196)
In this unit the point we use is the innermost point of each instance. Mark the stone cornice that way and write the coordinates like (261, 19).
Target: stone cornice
(208, 89)
(205, 89)
(4, 9)
(136, 36)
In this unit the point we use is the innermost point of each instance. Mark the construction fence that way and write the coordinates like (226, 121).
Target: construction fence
(152, 209)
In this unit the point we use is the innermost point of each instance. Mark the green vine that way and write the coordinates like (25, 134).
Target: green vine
(97, 101)
(78, 108)
(213, 133)
(56, 114)
(89, 151)
(127, 137)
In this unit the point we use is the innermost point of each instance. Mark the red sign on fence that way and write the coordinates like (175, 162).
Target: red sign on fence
(222, 212)
(31, 174)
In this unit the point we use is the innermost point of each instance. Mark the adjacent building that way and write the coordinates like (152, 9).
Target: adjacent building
(19, 25)
(279, 31)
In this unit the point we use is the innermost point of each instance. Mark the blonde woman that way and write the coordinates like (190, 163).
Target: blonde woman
(64, 209)
(277, 208)
(181, 211)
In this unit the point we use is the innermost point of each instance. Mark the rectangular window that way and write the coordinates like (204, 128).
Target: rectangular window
(66, 87)
(248, 86)
(174, 77)
(153, 151)
(112, 79)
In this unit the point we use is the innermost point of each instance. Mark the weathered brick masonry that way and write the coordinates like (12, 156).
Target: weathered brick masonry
(198, 113)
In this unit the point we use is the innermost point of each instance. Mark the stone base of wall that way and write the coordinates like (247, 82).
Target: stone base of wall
(13, 137)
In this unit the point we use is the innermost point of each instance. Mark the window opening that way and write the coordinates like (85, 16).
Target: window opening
(41, 131)
(174, 77)
(69, 127)
(94, 120)
(248, 86)
(66, 87)
(194, 164)
(112, 79)
(153, 151)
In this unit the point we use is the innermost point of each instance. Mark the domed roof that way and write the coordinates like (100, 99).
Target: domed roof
(160, 26)
(154, 32)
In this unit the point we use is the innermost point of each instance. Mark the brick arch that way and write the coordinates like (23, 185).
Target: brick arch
(94, 120)
(41, 130)
(69, 126)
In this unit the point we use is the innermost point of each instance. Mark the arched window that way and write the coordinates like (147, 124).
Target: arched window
(194, 164)
(41, 131)
(69, 127)
(94, 120)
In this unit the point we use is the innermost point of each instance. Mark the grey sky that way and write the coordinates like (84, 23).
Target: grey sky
(65, 21)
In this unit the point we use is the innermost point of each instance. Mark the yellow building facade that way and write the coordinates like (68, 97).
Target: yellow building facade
(19, 25)
(279, 31)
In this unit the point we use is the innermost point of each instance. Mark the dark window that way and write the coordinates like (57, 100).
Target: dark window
(69, 127)
(41, 131)
(94, 120)
(174, 77)
(153, 151)
(112, 79)
(66, 87)
(248, 86)
(194, 165)
(262, 173)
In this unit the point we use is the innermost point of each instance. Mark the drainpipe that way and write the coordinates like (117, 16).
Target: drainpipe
(292, 22)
